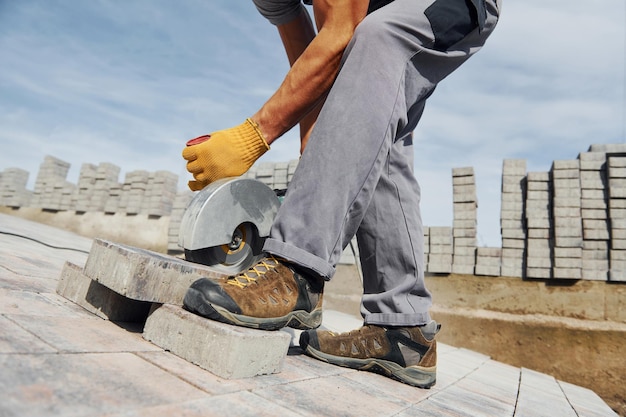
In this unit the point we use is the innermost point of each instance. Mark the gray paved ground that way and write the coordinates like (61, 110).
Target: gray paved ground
(57, 359)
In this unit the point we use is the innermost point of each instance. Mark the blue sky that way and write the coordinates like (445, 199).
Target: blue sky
(128, 82)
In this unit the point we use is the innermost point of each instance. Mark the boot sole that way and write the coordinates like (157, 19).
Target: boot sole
(417, 376)
(300, 319)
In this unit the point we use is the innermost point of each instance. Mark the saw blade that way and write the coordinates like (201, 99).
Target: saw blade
(242, 252)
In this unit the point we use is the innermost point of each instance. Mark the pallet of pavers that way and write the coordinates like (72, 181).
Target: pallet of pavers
(127, 284)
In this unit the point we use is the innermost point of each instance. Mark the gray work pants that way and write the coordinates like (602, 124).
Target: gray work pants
(356, 174)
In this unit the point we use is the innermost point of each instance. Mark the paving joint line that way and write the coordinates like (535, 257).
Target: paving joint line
(566, 397)
(7, 316)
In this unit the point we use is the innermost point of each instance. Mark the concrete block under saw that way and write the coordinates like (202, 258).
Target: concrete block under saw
(98, 299)
(141, 274)
(227, 351)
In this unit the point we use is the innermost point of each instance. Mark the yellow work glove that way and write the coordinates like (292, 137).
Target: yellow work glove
(225, 153)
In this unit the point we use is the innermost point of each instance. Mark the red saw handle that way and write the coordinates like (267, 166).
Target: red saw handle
(198, 140)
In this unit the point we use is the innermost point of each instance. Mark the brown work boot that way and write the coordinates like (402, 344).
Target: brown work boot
(269, 296)
(408, 354)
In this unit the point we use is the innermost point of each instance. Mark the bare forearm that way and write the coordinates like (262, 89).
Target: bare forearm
(309, 79)
(313, 73)
(296, 36)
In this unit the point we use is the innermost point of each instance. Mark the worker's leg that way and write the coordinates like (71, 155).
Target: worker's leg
(388, 72)
(357, 164)
(397, 338)
(391, 246)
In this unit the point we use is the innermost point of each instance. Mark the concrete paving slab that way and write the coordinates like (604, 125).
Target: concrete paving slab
(242, 404)
(332, 396)
(40, 233)
(36, 304)
(14, 339)
(539, 397)
(296, 367)
(141, 274)
(430, 409)
(227, 351)
(195, 375)
(397, 389)
(11, 280)
(31, 265)
(494, 380)
(585, 402)
(458, 363)
(461, 401)
(466, 358)
(83, 334)
(98, 299)
(455, 364)
(31, 257)
(319, 368)
(85, 385)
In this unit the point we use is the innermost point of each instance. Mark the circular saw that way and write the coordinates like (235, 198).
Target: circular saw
(226, 224)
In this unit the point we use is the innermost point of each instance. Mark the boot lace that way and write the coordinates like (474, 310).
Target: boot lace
(251, 275)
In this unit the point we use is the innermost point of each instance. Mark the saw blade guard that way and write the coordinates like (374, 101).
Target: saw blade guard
(225, 211)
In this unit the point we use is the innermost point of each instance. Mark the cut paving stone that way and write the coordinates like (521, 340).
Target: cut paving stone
(98, 299)
(227, 351)
(141, 274)
(122, 283)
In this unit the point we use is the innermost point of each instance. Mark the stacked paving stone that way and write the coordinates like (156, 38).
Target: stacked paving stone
(54, 193)
(112, 204)
(567, 219)
(594, 211)
(123, 283)
(181, 201)
(106, 177)
(512, 224)
(98, 189)
(488, 261)
(85, 187)
(440, 250)
(276, 175)
(291, 169)
(160, 193)
(263, 172)
(280, 175)
(58, 194)
(539, 222)
(51, 177)
(65, 190)
(13, 191)
(568, 223)
(133, 190)
(464, 224)
(617, 212)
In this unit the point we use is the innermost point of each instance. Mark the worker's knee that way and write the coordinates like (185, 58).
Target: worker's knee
(373, 33)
